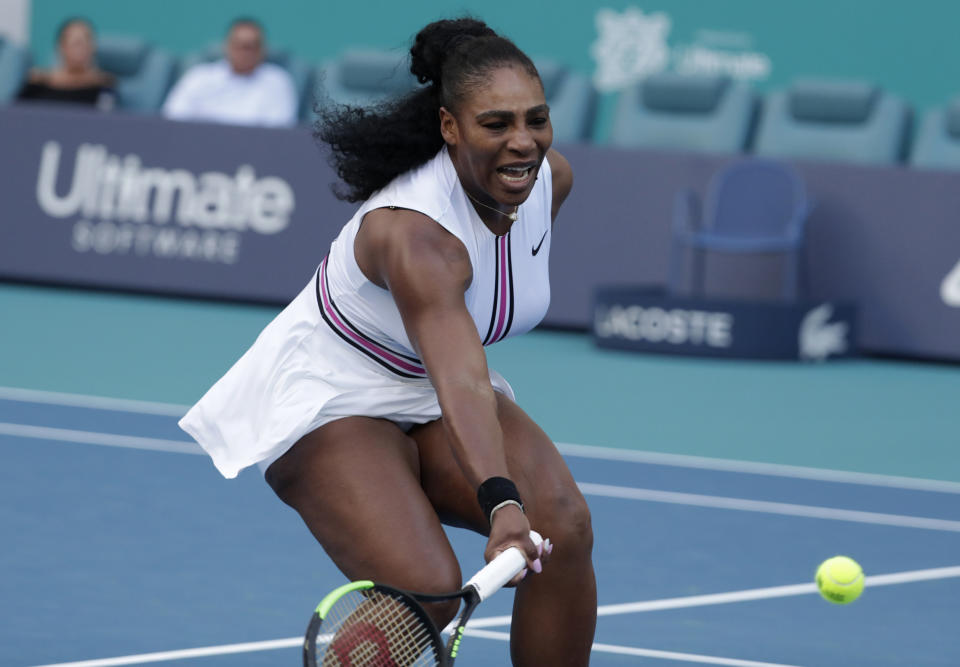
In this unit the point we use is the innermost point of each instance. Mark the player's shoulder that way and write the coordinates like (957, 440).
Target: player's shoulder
(560, 169)
(415, 245)
(562, 175)
(427, 188)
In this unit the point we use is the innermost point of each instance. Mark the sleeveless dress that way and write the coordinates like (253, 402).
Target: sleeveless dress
(339, 349)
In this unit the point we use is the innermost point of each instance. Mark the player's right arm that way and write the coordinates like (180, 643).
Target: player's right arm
(427, 270)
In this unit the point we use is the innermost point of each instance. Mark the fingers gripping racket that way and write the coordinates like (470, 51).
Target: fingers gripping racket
(365, 624)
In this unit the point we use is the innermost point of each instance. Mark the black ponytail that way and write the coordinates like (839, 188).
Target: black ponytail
(372, 146)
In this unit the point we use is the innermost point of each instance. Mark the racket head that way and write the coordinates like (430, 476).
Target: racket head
(364, 624)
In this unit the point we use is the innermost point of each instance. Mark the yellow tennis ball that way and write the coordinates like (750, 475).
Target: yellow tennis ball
(840, 579)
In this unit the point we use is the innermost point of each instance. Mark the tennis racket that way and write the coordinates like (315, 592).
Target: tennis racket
(365, 624)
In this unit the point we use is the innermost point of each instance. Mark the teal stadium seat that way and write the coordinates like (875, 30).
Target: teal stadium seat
(835, 120)
(14, 62)
(144, 73)
(700, 113)
(572, 99)
(361, 77)
(364, 76)
(937, 144)
(298, 69)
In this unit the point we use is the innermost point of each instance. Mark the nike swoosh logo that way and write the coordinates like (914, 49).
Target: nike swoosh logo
(537, 249)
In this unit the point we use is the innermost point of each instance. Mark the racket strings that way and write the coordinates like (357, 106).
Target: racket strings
(372, 629)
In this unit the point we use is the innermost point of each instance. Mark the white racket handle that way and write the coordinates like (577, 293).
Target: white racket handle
(501, 569)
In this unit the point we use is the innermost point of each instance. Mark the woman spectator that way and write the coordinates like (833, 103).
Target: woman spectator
(76, 79)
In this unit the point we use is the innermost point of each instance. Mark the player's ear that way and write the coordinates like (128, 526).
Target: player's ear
(449, 129)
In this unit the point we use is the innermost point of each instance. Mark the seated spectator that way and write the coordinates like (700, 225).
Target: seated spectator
(76, 78)
(240, 89)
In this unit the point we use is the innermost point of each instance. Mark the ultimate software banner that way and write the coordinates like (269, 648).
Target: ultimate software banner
(143, 204)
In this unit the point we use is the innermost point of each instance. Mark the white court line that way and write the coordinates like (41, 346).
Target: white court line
(588, 488)
(646, 652)
(203, 652)
(96, 402)
(604, 610)
(768, 507)
(92, 438)
(870, 581)
(754, 467)
(568, 449)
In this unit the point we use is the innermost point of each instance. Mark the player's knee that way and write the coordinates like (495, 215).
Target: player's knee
(567, 522)
(286, 482)
(439, 578)
(441, 613)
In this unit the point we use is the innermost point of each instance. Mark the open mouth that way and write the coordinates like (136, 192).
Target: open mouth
(516, 175)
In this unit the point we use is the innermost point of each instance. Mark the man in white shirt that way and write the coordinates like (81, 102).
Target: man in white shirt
(240, 89)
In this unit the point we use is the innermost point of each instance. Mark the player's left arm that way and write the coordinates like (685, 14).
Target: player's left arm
(562, 180)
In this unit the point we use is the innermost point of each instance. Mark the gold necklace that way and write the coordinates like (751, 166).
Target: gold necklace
(513, 216)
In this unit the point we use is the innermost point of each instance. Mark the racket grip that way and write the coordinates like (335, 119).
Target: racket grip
(501, 569)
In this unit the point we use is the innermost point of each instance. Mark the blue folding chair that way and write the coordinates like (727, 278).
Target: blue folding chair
(752, 206)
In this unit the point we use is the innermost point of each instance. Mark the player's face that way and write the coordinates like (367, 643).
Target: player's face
(77, 46)
(499, 136)
(244, 48)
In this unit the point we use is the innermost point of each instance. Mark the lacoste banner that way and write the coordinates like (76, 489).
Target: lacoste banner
(145, 204)
(649, 320)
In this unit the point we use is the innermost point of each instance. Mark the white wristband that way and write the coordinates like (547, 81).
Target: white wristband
(504, 504)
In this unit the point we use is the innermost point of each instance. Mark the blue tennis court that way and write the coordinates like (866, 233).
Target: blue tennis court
(716, 489)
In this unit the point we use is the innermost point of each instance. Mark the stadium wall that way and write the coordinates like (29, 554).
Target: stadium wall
(908, 48)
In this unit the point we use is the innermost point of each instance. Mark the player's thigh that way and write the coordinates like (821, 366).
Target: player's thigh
(550, 495)
(355, 482)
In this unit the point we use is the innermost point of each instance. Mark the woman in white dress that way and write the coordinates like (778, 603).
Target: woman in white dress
(368, 401)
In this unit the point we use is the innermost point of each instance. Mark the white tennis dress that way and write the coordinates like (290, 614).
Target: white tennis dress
(340, 349)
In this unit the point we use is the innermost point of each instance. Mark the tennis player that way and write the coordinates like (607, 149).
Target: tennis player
(368, 401)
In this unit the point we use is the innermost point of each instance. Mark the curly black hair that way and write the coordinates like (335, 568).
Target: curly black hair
(370, 146)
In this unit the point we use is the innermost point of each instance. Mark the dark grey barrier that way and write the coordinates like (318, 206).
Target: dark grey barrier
(139, 203)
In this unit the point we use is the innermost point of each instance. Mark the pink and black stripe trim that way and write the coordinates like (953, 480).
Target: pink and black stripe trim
(401, 364)
(502, 316)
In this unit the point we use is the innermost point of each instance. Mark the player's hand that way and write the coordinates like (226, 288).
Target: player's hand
(510, 528)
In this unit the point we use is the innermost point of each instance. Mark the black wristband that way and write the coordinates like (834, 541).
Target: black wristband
(494, 492)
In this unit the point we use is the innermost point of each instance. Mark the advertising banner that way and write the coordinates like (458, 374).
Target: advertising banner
(140, 203)
(189, 209)
(650, 320)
